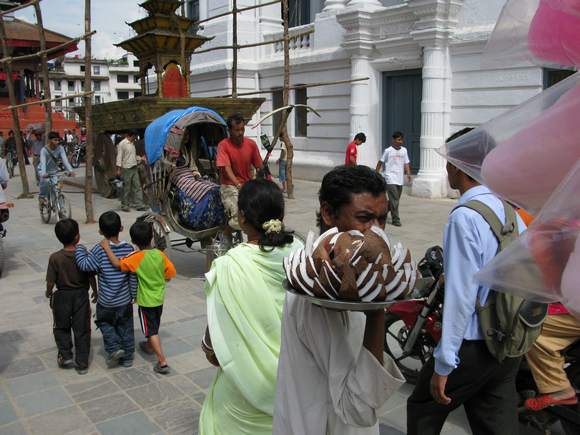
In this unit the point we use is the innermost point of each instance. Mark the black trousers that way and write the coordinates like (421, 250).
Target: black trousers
(72, 311)
(394, 192)
(485, 387)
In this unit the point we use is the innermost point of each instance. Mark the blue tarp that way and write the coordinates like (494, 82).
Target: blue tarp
(157, 132)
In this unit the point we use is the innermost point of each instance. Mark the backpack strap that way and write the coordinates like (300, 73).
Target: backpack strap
(504, 233)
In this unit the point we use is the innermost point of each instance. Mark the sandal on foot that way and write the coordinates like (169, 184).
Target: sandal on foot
(162, 370)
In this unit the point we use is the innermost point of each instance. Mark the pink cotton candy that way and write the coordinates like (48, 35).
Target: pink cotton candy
(528, 166)
(554, 34)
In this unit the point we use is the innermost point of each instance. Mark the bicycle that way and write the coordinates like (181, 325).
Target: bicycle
(56, 202)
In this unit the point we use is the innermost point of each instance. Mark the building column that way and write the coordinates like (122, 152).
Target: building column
(359, 109)
(334, 5)
(364, 4)
(431, 181)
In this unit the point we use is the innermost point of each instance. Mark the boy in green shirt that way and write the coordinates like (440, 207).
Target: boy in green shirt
(153, 269)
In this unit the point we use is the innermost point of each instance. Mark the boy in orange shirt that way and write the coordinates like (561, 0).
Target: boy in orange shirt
(153, 269)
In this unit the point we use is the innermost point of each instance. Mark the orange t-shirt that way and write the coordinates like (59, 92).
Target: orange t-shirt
(238, 157)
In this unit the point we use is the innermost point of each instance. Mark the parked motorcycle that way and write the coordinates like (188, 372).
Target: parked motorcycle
(78, 154)
(4, 215)
(413, 329)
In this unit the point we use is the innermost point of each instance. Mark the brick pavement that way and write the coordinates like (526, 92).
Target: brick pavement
(36, 397)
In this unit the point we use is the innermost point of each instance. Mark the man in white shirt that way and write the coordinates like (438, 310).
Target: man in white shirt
(333, 376)
(127, 160)
(394, 162)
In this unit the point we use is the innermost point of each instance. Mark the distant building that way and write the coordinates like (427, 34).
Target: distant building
(112, 81)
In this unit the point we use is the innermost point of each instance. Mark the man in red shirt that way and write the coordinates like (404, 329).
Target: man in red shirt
(236, 156)
(350, 159)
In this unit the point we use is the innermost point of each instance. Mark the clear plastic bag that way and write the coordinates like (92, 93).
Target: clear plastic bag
(544, 263)
(524, 154)
(543, 32)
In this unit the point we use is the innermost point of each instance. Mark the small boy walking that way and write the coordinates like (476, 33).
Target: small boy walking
(70, 301)
(153, 269)
(117, 291)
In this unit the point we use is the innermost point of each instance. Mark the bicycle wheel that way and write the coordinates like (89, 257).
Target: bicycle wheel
(45, 211)
(63, 207)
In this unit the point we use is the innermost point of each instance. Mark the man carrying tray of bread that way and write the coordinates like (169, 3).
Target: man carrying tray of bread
(333, 376)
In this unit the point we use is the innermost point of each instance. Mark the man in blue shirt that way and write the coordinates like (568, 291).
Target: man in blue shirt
(463, 371)
(52, 156)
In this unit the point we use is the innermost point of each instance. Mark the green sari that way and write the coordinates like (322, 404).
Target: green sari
(245, 298)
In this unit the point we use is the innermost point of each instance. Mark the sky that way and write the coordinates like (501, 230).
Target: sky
(108, 19)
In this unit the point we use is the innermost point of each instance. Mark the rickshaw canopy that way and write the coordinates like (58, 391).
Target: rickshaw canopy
(166, 132)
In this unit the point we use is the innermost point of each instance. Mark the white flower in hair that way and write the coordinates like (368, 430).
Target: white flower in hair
(272, 226)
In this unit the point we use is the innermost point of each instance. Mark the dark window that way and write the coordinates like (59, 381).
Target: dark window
(71, 85)
(82, 68)
(122, 78)
(96, 86)
(136, 63)
(57, 85)
(122, 95)
(96, 69)
(276, 104)
(192, 9)
(137, 94)
(58, 103)
(136, 79)
(71, 101)
(553, 76)
(298, 12)
(301, 119)
(97, 99)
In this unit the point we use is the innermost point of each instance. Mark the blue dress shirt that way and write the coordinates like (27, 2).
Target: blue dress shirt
(468, 244)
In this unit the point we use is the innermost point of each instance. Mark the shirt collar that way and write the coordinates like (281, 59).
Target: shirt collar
(473, 192)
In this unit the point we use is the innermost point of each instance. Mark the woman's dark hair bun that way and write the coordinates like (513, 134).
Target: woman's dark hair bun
(262, 203)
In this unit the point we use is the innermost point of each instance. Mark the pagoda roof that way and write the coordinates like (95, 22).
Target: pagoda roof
(161, 41)
(159, 21)
(166, 7)
(22, 35)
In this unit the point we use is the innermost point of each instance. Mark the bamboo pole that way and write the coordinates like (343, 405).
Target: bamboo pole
(312, 85)
(88, 119)
(248, 8)
(44, 66)
(33, 103)
(285, 95)
(47, 51)
(235, 55)
(17, 8)
(17, 132)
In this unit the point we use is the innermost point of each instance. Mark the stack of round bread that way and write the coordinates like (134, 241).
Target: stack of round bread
(352, 266)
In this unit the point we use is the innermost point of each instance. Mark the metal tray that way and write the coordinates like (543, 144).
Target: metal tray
(343, 305)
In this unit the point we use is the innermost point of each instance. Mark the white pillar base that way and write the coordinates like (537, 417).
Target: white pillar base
(430, 186)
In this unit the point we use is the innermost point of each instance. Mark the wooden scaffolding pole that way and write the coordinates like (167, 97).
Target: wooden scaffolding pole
(235, 54)
(44, 66)
(17, 8)
(17, 132)
(34, 103)
(89, 210)
(285, 97)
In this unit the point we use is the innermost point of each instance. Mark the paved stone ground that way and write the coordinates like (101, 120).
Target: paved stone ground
(36, 397)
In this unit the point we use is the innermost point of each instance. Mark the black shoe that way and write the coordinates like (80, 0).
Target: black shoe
(126, 363)
(82, 370)
(114, 357)
(397, 224)
(65, 363)
(162, 370)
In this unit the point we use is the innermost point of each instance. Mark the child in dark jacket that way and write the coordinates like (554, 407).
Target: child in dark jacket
(70, 304)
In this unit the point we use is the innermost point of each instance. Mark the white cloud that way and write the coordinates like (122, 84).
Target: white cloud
(108, 19)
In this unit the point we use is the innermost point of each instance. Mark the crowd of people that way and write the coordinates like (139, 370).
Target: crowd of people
(285, 366)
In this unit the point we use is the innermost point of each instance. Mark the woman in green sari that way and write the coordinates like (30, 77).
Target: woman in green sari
(244, 311)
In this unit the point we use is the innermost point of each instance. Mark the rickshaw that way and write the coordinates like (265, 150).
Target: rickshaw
(177, 135)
